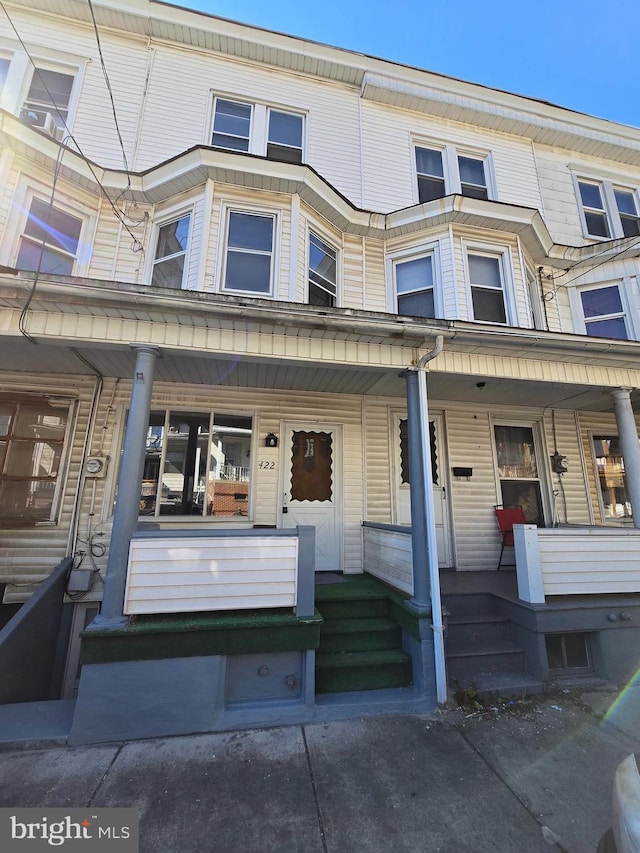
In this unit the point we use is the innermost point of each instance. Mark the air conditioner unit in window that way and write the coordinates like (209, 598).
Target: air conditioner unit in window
(49, 126)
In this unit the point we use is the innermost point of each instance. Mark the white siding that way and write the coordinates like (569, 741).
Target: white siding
(388, 158)
(186, 575)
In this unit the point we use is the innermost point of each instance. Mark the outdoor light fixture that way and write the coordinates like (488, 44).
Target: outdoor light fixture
(271, 440)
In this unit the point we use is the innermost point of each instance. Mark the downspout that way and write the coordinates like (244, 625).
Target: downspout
(434, 575)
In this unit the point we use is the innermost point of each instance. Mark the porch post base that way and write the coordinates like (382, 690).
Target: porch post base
(419, 608)
(108, 623)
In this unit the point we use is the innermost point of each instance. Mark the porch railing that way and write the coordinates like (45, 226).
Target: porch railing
(187, 571)
(576, 561)
(388, 554)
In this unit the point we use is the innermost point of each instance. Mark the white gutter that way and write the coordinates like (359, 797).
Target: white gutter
(434, 574)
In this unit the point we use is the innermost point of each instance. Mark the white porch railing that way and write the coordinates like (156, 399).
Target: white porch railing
(576, 561)
(187, 571)
(388, 554)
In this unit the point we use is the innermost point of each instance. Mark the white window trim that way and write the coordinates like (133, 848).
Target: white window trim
(228, 208)
(164, 217)
(503, 254)
(450, 168)
(624, 287)
(336, 245)
(258, 124)
(25, 193)
(410, 254)
(607, 186)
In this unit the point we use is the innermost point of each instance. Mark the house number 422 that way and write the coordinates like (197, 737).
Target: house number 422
(269, 465)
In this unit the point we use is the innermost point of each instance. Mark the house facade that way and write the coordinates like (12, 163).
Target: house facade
(270, 308)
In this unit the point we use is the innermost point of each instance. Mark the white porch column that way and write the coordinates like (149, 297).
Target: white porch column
(127, 508)
(630, 447)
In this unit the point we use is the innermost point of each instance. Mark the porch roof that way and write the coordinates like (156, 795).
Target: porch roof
(216, 339)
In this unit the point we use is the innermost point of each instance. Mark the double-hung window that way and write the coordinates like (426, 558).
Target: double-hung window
(257, 129)
(49, 93)
(486, 280)
(446, 171)
(249, 253)
(323, 272)
(32, 441)
(603, 312)
(5, 62)
(50, 240)
(171, 252)
(611, 477)
(609, 210)
(414, 286)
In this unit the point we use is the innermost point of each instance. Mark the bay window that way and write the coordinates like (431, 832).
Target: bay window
(486, 280)
(249, 253)
(323, 272)
(50, 240)
(171, 252)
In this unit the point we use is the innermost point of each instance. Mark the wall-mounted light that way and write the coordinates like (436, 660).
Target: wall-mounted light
(271, 440)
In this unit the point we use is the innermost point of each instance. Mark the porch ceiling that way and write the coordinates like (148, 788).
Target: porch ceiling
(20, 356)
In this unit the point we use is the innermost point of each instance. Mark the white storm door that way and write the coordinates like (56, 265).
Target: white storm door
(312, 487)
(402, 485)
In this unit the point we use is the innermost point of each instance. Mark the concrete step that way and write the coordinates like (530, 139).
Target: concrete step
(463, 665)
(494, 686)
(472, 604)
(474, 631)
(355, 671)
(353, 635)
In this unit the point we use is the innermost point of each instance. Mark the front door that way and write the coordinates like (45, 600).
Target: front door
(403, 496)
(312, 487)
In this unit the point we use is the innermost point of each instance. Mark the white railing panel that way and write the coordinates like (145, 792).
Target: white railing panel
(388, 556)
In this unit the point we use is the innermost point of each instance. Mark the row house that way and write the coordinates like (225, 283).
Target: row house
(282, 328)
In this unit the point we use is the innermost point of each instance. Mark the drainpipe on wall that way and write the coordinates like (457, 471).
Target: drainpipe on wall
(423, 521)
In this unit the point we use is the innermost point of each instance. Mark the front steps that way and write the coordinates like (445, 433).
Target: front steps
(481, 654)
(360, 645)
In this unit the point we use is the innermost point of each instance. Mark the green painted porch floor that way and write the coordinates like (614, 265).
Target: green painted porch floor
(360, 644)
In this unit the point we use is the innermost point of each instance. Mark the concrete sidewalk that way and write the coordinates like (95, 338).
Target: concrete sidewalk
(529, 776)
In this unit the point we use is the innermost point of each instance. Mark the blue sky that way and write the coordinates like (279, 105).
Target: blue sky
(580, 54)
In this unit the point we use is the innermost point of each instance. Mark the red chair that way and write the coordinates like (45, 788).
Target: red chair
(507, 516)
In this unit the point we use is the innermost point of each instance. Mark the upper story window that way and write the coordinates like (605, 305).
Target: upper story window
(5, 62)
(50, 240)
(414, 286)
(258, 129)
(323, 272)
(249, 253)
(603, 312)
(49, 95)
(486, 279)
(608, 210)
(445, 171)
(32, 440)
(171, 252)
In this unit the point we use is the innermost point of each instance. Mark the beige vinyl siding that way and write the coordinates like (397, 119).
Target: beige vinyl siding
(389, 166)
(374, 285)
(572, 500)
(353, 295)
(8, 178)
(378, 461)
(115, 256)
(332, 110)
(28, 555)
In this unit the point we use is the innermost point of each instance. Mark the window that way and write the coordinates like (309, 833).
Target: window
(197, 464)
(50, 240)
(4, 70)
(171, 252)
(50, 92)
(323, 272)
(445, 171)
(611, 477)
(231, 125)
(257, 129)
(415, 287)
(249, 253)
(604, 315)
(518, 472)
(568, 653)
(32, 440)
(284, 140)
(487, 288)
(609, 210)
